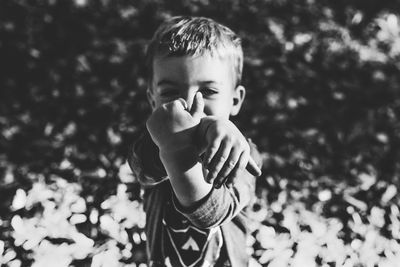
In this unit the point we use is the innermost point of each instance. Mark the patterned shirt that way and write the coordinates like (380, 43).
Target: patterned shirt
(210, 233)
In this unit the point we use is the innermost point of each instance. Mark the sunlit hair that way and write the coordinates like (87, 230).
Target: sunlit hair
(195, 36)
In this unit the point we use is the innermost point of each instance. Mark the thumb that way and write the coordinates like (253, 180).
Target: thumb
(197, 110)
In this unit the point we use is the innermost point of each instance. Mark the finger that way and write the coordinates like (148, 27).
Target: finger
(253, 168)
(197, 110)
(230, 164)
(238, 170)
(211, 151)
(180, 102)
(218, 161)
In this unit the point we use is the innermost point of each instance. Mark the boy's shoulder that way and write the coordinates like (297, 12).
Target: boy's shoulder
(144, 161)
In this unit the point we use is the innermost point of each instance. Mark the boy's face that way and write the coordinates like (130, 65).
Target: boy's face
(182, 77)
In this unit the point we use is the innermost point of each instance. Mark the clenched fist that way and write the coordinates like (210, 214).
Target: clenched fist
(172, 127)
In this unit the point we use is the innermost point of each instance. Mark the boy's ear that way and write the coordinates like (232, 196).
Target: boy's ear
(238, 98)
(150, 98)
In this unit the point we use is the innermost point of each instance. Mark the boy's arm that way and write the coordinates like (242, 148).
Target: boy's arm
(186, 175)
(222, 205)
(173, 130)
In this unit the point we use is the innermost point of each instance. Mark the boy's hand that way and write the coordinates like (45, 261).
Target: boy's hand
(227, 152)
(172, 126)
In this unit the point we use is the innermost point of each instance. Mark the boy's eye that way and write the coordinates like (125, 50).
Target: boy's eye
(208, 91)
(169, 93)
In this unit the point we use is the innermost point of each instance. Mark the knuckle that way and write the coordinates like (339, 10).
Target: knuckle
(222, 160)
(242, 164)
(226, 170)
(245, 145)
(229, 141)
(246, 151)
(213, 151)
(212, 174)
(214, 145)
(231, 164)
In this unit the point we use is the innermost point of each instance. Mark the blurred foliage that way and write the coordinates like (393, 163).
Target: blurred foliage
(323, 101)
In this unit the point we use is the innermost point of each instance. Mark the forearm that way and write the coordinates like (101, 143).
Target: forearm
(186, 175)
(222, 205)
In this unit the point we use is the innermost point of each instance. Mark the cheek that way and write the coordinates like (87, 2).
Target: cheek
(217, 108)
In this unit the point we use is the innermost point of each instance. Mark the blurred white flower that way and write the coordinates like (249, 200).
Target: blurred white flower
(318, 226)
(94, 216)
(325, 195)
(65, 164)
(111, 227)
(113, 137)
(19, 200)
(82, 247)
(50, 255)
(128, 213)
(367, 180)
(382, 137)
(282, 259)
(307, 250)
(77, 218)
(253, 263)
(26, 232)
(390, 192)
(291, 221)
(78, 206)
(335, 251)
(81, 3)
(302, 38)
(377, 217)
(265, 235)
(8, 256)
(125, 173)
(38, 194)
(1, 247)
(107, 258)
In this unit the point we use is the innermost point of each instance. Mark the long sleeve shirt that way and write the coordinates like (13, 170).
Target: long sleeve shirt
(213, 230)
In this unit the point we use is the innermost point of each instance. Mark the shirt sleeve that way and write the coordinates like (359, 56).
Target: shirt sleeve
(145, 163)
(223, 204)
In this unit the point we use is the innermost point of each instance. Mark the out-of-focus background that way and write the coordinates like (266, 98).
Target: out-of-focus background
(323, 80)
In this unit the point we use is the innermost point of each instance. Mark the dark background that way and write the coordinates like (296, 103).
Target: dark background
(322, 104)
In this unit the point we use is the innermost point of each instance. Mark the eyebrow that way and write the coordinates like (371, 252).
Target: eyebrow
(166, 82)
(209, 82)
(169, 82)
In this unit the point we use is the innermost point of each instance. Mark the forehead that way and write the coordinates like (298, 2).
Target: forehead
(193, 69)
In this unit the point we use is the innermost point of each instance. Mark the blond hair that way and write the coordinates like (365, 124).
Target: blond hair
(195, 36)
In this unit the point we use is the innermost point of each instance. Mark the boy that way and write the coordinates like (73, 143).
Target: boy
(192, 161)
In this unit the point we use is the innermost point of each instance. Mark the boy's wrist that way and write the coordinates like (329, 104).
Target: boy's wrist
(179, 159)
